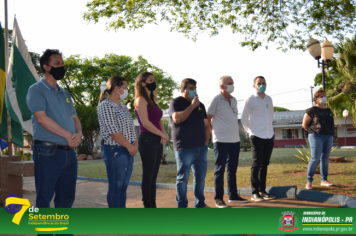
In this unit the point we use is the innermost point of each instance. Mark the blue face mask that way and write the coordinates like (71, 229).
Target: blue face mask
(261, 88)
(192, 93)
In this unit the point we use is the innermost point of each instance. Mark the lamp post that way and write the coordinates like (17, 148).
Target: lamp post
(345, 114)
(326, 51)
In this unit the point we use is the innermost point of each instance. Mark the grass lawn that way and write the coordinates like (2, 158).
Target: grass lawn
(284, 169)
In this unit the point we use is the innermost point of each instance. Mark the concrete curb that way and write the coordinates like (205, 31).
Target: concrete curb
(279, 192)
(310, 195)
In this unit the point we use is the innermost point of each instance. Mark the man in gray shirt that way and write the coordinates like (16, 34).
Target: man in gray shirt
(222, 115)
(57, 130)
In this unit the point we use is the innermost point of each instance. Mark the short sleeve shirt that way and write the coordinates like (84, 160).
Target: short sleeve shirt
(191, 132)
(57, 104)
(322, 121)
(114, 119)
(225, 121)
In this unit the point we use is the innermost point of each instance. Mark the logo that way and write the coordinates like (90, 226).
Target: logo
(13, 204)
(200, 109)
(288, 222)
(267, 106)
(16, 205)
(67, 100)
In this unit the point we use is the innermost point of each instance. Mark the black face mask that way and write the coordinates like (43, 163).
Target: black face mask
(57, 72)
(151, 86)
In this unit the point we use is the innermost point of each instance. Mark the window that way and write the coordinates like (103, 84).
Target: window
(290, 133)
(304, 133)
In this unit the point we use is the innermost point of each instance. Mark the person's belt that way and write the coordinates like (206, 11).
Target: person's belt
(54, 145)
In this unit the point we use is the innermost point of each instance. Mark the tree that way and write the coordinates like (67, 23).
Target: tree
(84, 76)
(287, 23)
(90, 128)
(340, 81)
(280, 109)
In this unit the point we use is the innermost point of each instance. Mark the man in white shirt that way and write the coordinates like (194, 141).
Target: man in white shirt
(257, 119)
(222, 116)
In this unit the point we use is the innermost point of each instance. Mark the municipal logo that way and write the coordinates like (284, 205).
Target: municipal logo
(288, 222)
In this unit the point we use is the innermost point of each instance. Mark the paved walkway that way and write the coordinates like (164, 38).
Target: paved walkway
(92, 194)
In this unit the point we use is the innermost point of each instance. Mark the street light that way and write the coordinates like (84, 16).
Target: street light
(345, 114)
(326, 51)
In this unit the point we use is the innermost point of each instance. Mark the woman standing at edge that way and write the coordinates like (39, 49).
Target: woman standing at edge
(152, 135)
(120, 142)
(319, 122)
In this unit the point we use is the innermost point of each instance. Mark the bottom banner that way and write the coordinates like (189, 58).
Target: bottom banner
(21, 218)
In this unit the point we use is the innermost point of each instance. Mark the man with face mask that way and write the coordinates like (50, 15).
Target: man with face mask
(190, 133)
(257, 119)
(222, 111)
(57, 130)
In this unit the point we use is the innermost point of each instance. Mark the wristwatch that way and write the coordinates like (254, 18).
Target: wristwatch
(81, 134)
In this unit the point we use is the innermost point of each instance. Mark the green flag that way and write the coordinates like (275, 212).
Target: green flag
(20, 76)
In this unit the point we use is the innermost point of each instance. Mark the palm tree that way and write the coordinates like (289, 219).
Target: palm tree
(342, 93)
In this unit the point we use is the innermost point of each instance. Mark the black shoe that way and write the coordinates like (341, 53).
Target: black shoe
(238, 199)
(267, 196)
(257, 197)
(221, 204)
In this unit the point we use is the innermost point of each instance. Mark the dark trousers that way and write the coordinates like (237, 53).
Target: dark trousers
(261, 154)
(55, 175)
(151, 151)
(226, 154)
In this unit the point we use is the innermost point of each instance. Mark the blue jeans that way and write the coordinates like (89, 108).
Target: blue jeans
(55, 174)
(320, 147)
(195, 158)
(119, 165)
(226, 154)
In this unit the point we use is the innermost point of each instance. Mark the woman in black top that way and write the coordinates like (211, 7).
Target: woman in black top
(319, 122)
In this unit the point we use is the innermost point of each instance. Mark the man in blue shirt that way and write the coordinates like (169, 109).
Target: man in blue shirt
(191, 133)
(57, 130)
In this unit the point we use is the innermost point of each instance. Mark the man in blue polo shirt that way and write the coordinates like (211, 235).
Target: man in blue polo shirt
(191, 133)
(57, 130)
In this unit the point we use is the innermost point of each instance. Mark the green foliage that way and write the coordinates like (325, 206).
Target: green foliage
(90, 128)
(244, 140)
(287, 23)
(280, 109)
(24, 156)
(5, 152)
(340, 81)
(20, 153)
(306, 155)
(168, 146)
(84, 76)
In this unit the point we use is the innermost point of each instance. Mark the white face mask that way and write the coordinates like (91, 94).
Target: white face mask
(323, 100)
(230, 88)
(123, 96)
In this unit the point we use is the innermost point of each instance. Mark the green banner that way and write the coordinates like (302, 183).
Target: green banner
(178, 221)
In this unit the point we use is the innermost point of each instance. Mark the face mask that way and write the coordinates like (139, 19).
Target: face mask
(230, 88)
(57, 72)
(323, 100)
(151, 86)
(261, 88)
(123, 96)
(192, 93)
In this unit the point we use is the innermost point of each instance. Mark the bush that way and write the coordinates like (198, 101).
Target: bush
(244, 140)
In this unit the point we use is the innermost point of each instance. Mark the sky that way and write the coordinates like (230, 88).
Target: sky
(60, 25)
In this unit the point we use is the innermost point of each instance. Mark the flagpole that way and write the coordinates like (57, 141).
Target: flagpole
(9, 138)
